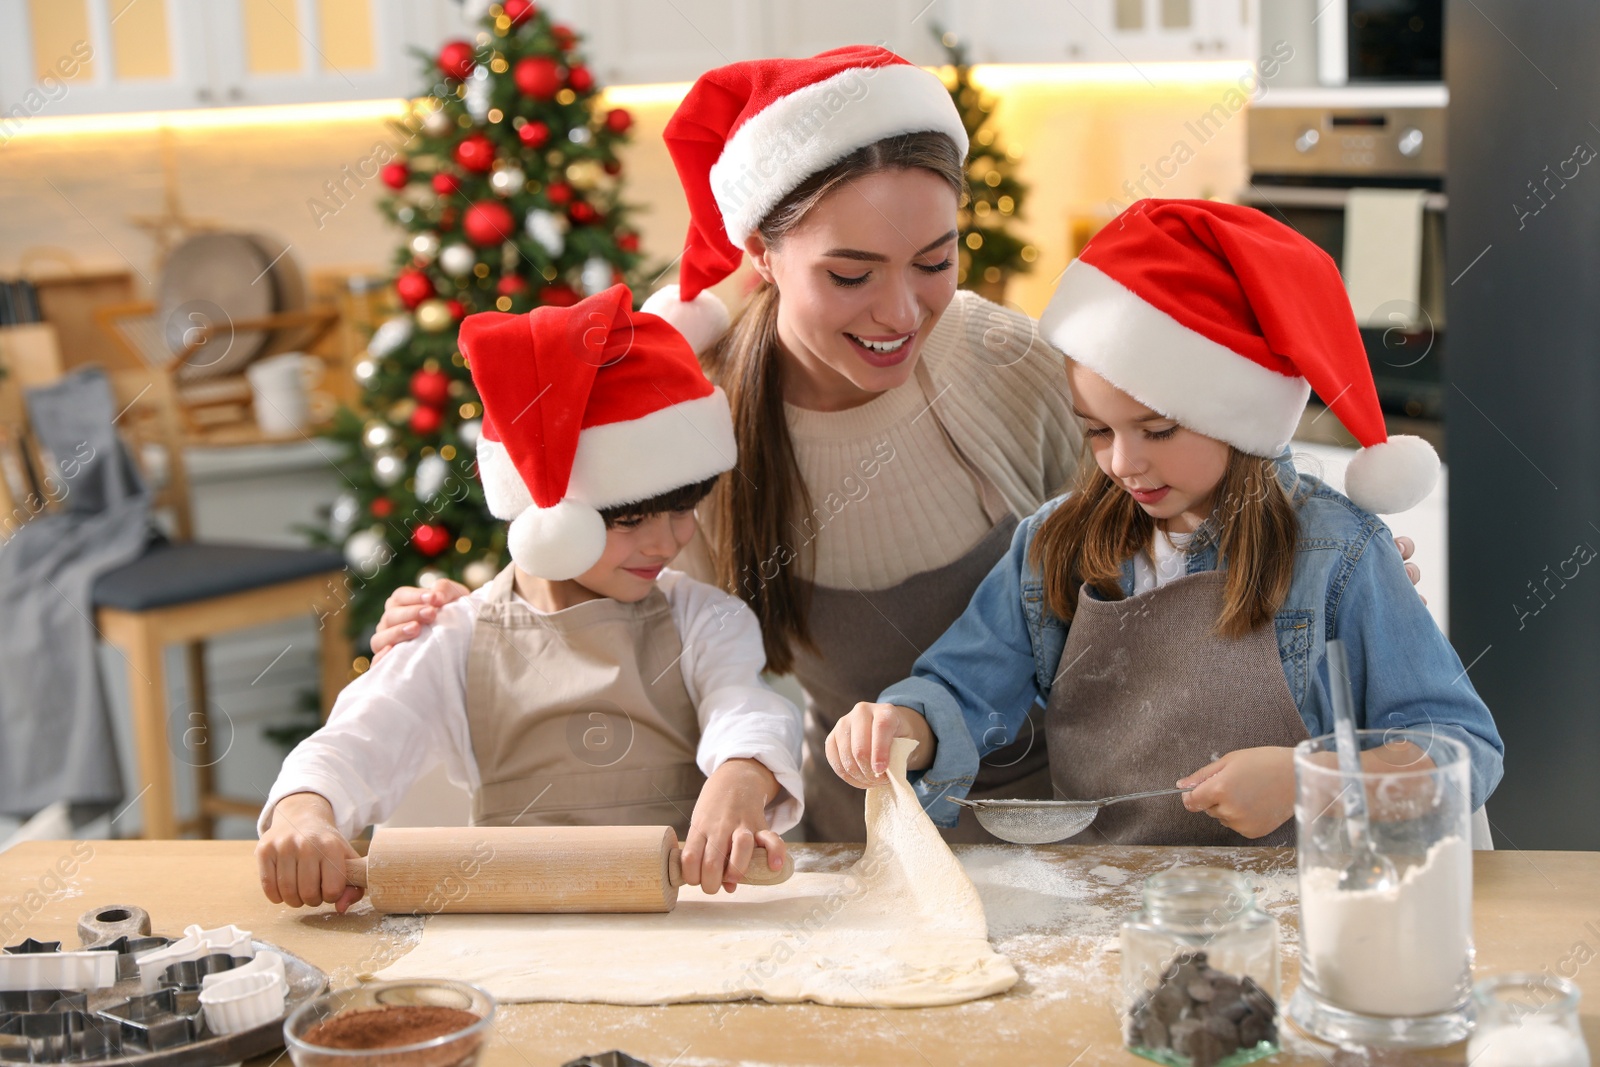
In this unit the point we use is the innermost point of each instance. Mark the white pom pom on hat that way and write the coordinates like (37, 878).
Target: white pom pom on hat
(557, 543)
(1392, 476)
(701, 321)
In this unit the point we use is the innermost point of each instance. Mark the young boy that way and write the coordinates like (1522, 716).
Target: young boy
(585, 685)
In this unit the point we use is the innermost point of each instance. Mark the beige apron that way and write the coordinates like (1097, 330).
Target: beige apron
(868, 640)
(580, 717)
(1150, 694)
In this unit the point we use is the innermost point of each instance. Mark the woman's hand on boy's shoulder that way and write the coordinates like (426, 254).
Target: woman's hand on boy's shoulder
(1250, 790)
(409, 609)
(729, 822)
(302, 856)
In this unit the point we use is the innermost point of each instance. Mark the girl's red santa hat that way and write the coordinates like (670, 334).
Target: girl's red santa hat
(1225, 320)
(748, 134)
(584, 408)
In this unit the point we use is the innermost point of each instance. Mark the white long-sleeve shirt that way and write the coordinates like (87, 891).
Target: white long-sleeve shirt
(389, 725)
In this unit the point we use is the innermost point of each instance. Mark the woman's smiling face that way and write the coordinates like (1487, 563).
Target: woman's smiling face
(863, 279)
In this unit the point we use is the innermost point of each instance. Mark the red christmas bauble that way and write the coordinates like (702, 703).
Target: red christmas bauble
(583, 213)
(426, 419)
(564, 36)
(430, 538)
(430, 386)
(511, 285)
(613, 167)
(395, 175)
(458, 310)
(534, 134)
(519, 11)
(537, 76)
(579, 80)
(558, 193)
(446, 184)
(413, 287)
(618, 119)
(455, 59)
(488, 222)
(628, 242)
(447, 217)
(381, 508)
(476, 153)
(559, 295)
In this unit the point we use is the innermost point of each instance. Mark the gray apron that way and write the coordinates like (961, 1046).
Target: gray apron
(868, 640)
(580, 717)
(1151, 695)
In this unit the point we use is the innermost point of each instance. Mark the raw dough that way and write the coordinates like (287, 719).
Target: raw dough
(901, 928)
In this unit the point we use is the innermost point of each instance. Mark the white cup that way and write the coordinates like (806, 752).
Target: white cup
(281, 386)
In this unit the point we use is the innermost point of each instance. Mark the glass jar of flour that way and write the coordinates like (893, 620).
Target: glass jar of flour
(1200, 971)
(1391, 965)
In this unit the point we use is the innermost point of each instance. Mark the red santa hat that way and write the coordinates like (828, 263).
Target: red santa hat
(1225, 320)
(748, 134)
(584, 408)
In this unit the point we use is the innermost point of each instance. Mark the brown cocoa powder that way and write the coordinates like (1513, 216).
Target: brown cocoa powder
(393, 1027)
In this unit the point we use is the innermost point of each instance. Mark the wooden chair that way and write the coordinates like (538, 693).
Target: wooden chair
(184, 592)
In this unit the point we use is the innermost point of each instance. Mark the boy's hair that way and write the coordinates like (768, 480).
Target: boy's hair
(683, 498)
(1086, 540)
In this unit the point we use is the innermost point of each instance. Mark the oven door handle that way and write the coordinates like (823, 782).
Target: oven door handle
(1282, 196)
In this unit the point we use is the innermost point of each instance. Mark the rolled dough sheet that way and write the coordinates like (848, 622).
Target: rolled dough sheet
(901, 928)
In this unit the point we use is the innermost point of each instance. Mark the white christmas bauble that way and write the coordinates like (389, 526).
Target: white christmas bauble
(342, 515)
(388, 468)
(467, 432)
(595, 276)
(479, 572)
(507, 180)
(364, 370)
(431, 473)
(367, 549)
(390, 335)
(579, 135)
(376, 435)
(406, 214)
(425, 246)
(457, 260)
(476, 97)
(428, 577)
(438, 123)
(547, 229)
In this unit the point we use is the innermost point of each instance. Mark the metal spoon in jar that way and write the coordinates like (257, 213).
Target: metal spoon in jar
(1367, 869)
(1043, 822)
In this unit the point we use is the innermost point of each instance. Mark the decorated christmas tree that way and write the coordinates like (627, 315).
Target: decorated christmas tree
(990, 251)
(507, 187)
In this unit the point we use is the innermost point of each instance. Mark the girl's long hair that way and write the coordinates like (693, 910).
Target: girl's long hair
(1086, 540)
(751, 531)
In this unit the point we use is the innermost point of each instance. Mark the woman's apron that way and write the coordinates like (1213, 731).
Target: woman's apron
(580, 717)
(868, 640)
(1151, 695)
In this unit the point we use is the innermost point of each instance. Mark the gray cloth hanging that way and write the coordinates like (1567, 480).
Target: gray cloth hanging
(56, 740)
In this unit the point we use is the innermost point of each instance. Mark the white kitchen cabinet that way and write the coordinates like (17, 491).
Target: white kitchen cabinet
(1105, 31)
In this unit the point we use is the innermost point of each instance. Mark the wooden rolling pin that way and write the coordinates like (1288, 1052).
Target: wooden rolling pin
(427, 870)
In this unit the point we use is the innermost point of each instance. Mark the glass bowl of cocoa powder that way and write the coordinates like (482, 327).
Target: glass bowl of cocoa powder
(427, 1023)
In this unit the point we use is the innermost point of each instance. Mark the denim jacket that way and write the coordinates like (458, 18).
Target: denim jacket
(976, 684)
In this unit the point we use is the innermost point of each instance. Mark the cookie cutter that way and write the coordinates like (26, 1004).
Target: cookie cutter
(157, 1020)
(190, 975)
(39, 967)
(196, 943)
(58, 1036)
(244, 1003)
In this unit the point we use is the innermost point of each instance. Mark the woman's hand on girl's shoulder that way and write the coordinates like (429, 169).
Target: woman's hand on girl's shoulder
(409, 609)
(1407, 547)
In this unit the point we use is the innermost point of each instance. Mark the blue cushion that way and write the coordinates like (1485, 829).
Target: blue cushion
(184, 573)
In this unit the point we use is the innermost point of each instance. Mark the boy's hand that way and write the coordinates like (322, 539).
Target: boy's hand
(409, 609)
(1250, 790)
(858, 745)
(729, 821)
(302, 855)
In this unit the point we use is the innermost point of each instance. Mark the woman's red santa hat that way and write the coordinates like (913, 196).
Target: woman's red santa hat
(748, 134)
(584, 408)
(1225, 320)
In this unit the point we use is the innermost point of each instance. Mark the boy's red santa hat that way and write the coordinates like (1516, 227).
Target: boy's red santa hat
(748, 134)
(584, 408)
(1225, 320)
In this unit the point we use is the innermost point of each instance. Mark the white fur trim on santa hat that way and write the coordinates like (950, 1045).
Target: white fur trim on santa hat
(625, 462)
(800, 134)
(702, 321)
(1160, 362)
(557, 543)
(1393, 476)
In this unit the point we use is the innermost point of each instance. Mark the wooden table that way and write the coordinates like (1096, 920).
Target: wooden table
(1533, 910)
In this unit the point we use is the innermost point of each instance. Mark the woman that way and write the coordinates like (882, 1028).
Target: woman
(891, 430)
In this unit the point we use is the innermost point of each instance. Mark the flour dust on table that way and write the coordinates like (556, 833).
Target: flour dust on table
(902, 927)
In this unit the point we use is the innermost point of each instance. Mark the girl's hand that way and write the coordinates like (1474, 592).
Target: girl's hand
(1250, 790)
(729, 821)
(858, 745)
(301, 857)
(409, 609)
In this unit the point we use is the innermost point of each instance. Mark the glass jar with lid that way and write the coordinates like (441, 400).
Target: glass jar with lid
(1200, 971)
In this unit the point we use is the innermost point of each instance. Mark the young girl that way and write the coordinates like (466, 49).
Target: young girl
(1172, 612)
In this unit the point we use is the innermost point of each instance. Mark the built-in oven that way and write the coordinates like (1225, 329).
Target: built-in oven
(1385, 41)
(1313, 153)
